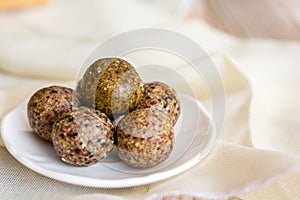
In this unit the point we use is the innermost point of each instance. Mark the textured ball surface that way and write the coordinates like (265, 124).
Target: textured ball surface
(162, 97)
(112, 86)
(145, 138)
(45, 106)
(83, 136)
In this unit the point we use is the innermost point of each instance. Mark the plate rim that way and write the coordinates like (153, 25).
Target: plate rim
(114, 183)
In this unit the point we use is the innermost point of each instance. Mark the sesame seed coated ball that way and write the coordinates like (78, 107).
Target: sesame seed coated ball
(45, 105)
(145, 138)
(112, 86)
(83, 136)
(162, 97)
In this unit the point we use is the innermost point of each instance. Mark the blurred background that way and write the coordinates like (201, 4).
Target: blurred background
(248, 18)
(278, 19)
(59, 34)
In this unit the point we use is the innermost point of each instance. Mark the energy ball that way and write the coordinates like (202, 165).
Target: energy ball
(112, 86)
(145, 138)
(45, 105)
(83, 137)
(162, 97)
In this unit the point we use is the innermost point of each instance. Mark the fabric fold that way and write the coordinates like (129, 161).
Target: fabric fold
(221, 175)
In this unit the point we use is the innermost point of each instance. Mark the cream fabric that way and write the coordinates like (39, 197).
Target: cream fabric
(68, 29)
(258, 154)
(273, 69)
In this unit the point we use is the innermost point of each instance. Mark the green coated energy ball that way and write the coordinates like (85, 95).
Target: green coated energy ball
(111, 85)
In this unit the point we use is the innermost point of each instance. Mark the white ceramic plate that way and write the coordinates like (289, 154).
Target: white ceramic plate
(195, 136)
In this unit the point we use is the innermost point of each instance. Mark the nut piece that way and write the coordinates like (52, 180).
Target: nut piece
(145, 138)
(160, 96)
(83, 137)
(45, 105)
(112, 86)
